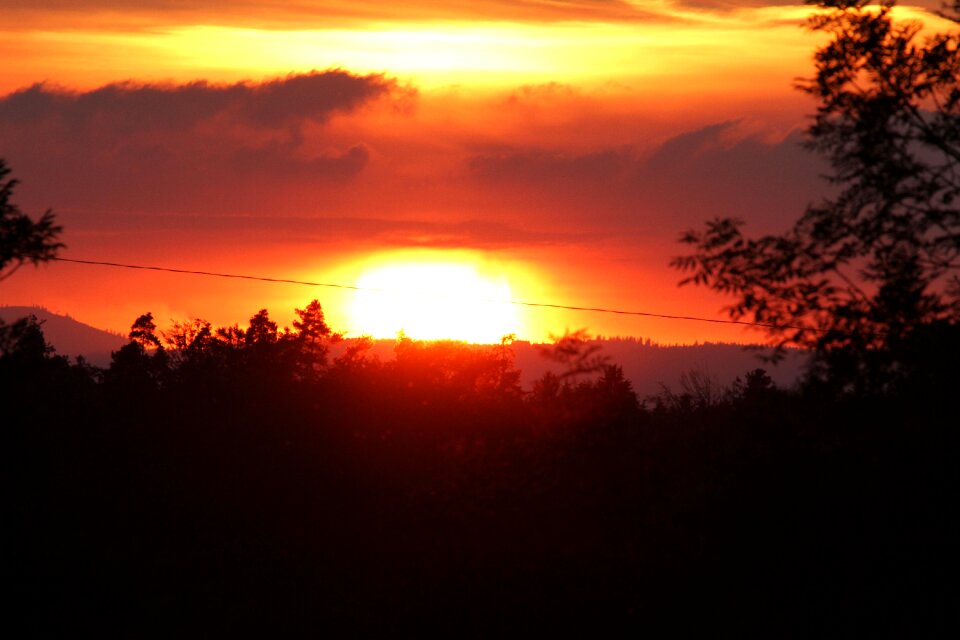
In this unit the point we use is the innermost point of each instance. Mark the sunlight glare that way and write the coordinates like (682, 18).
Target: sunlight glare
(433, 301)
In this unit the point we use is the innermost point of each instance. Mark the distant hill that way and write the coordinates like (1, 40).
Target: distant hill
(68, 336)
(649, 365)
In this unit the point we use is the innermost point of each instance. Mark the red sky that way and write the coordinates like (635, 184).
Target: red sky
(558, 146)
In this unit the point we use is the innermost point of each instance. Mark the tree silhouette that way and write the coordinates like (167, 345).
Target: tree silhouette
(144, 332)
(862, 270)
(310, 325)
(189, 342)
(311, 338)
(262, 329)
(21, 239)
(577, 353)
(24, 340)
(138, 367)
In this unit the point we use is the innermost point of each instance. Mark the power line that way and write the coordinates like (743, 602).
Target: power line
(214, 274)
(521, 303)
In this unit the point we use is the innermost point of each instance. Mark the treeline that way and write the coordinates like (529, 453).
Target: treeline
(220, 480)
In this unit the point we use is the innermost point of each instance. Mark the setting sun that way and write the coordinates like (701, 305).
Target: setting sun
(433, 301)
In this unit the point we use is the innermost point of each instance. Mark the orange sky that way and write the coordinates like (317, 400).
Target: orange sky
(561, 146)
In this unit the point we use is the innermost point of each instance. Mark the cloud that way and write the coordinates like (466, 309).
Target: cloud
(732, 5)
(132, 106)
(299, 14)
(191, 145)
(719, 170)
(551, 168)
(549, 164)
(278, 162)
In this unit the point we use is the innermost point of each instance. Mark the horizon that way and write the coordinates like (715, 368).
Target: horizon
(644, 340)
(650, 366)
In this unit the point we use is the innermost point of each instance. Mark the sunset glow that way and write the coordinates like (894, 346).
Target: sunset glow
(300, 140)
(429, 54)
(474, 315)
(432, 301)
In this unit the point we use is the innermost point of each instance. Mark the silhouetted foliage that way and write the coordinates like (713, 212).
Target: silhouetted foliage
(756, 384)
(22, 240)
(139, 367)
(860, 272)
(262, 331)
(698, 391)
(576, 353)
(24, 339)
(313, 338)
(144, 332)
(203, 485)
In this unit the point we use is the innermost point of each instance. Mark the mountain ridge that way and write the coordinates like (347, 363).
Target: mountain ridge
(69, 336)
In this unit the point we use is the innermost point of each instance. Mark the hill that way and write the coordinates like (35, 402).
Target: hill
(68, 336)
(650, 366)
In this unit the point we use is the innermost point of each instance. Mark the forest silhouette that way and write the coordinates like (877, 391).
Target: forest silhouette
(238, 479)
(251, 480)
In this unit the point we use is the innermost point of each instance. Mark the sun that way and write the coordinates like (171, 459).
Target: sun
(433, 300)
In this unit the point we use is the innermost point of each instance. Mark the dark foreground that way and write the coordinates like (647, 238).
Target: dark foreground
(236, 492)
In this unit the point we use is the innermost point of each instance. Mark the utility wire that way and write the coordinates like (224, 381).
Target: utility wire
(521, 303)
(214, 274)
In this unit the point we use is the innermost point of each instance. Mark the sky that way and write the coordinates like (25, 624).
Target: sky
(547, 151)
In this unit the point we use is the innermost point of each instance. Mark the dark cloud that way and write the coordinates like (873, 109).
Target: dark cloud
(274, 150)
(131, 106)
(718, 170)
(188, 146)
(280, 162)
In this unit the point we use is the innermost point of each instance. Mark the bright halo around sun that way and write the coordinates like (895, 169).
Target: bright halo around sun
(433, 300)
